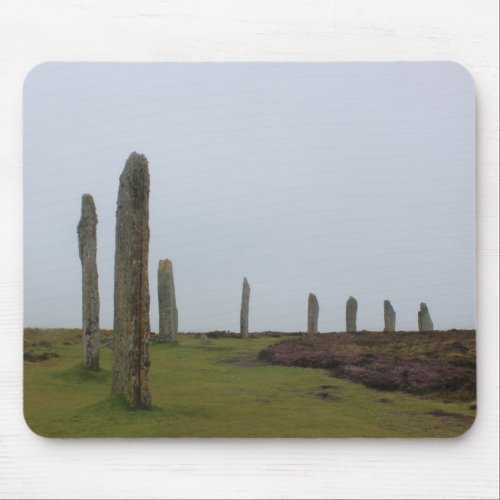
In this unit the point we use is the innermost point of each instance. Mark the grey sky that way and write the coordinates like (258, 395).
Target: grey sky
(334, 178)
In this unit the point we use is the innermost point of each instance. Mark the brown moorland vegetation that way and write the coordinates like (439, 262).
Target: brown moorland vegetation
(438, 364)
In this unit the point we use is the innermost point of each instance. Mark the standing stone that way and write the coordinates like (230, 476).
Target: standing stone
(87, 244)
(351, 310)
(245, 299)
(166, 302)
(131, 364)
(389, 317)
(424, 319)
(312, 314)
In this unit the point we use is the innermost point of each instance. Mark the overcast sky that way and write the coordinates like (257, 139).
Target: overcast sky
(335, 178)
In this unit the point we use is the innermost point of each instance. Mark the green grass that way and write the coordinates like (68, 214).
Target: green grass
(216, 388)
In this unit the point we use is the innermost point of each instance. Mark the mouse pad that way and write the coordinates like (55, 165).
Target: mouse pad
(240, 250)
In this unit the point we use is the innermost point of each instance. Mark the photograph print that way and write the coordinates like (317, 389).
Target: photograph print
(249, 250)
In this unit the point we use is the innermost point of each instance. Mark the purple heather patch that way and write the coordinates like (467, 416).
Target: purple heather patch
(417, 363)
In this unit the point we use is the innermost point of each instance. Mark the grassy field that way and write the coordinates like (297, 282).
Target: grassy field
(218, 388)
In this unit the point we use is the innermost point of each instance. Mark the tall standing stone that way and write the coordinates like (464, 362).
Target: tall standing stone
(351, 310)
(424, 319)
(166, 302)
(389, 317)
(312, 314)
(87, 245)
(245, 300)
(131, 364)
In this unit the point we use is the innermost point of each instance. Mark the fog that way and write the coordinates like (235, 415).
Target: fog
(334, 178)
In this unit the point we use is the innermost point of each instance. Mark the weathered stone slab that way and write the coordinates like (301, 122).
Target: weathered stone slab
(351, 311)
(245, 300)
(87, 244)
(131, 363)
(424, 319)
(166, 302)
(312, 314)
(389, 317)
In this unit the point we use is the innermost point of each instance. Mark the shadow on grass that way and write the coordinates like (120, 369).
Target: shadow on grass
(80, 374)
(117, 405)
(115, 410)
